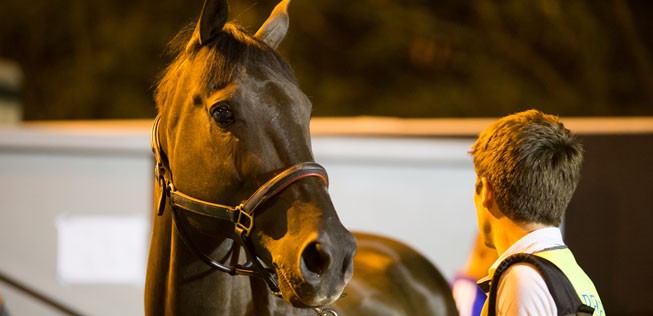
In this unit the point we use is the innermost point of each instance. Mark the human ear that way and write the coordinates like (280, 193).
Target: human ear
(487, 194)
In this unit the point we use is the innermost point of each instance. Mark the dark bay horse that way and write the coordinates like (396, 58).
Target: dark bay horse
(244, 224)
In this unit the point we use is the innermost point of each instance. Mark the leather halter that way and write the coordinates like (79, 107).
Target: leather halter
(242, 216)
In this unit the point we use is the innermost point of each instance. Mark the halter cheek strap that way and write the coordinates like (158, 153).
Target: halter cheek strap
(242, 216)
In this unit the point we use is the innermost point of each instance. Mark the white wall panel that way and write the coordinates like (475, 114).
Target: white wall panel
(417, 190)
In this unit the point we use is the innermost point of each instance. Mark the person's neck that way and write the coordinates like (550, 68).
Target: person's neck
(509, 232)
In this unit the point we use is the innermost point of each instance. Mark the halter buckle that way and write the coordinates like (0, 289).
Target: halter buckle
(243, 220)
(159, 170)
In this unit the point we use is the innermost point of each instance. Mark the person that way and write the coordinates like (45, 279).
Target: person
(527, 168)
(3, 310)
(468, 295)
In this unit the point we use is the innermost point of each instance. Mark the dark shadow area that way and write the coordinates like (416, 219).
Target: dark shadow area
(608, 220)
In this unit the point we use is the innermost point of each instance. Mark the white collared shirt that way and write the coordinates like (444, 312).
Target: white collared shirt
(522, 290)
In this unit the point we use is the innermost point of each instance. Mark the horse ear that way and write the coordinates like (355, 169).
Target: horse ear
(212, 19)
(275, 27)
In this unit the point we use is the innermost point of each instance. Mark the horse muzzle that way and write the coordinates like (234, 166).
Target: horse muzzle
(321, 271)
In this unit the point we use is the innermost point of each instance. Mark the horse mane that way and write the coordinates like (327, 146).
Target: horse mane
(232, 48)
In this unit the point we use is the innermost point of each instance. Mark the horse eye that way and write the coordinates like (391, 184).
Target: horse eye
(223, 115)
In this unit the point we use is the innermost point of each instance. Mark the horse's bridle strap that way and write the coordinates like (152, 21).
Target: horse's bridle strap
(243, 215)
(194, 205)
(275, 185)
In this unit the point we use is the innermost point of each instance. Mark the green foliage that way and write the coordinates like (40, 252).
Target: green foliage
(411, 58)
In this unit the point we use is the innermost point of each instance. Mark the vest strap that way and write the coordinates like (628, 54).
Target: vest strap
(561, 289)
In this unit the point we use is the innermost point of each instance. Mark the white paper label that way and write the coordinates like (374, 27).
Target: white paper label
(102, 249)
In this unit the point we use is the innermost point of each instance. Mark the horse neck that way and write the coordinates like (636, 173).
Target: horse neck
(178, 283)
(197, 289)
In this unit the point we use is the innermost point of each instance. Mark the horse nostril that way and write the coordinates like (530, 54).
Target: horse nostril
(316, 259)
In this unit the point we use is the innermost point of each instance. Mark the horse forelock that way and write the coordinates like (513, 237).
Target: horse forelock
(217, 65)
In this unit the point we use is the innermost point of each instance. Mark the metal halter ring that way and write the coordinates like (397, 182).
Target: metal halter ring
(325, 312)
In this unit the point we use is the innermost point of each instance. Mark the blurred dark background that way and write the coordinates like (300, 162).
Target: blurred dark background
(411, 58)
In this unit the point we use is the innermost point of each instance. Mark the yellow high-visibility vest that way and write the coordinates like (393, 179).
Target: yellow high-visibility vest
(565, 260)
(582, 284)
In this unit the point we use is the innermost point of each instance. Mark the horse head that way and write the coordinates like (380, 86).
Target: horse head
(232, 117)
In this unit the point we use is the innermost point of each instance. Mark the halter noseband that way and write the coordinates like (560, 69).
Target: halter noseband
(242, 216)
